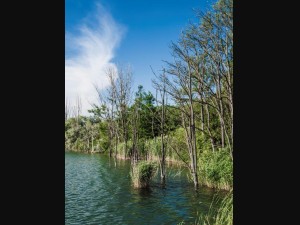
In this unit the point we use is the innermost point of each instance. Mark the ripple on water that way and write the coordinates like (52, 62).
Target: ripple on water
(97, 192)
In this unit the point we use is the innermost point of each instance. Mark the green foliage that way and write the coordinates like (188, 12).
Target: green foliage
(84, 133)
(142, 173)
(121, 149)
(216, 169)
(173, 118)
(178, 144)
(225, 212)
(144, 103)
(223, 215)
(154, 147)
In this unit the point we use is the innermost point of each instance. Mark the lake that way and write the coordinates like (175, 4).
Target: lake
(98, 190)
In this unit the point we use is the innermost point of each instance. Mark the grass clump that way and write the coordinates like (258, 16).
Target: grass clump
(225, 212)
(142, 172)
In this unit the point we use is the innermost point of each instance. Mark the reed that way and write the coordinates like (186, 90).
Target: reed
(142, 173)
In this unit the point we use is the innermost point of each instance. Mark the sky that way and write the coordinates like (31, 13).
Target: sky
(106, 33)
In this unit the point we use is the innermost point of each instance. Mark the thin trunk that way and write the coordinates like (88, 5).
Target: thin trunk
(116, 147)
(202, 117)
(219, 91)
(192, 133)
(110, 142)
(208, 129)
(92, 143)
(163, 175)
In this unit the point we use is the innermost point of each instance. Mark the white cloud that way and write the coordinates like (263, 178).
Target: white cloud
(89, 53)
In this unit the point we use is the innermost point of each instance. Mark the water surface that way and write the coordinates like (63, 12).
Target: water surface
(98, 190)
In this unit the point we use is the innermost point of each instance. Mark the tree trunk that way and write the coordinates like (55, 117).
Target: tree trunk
(92, 143)
(163, 161)
(192, 134)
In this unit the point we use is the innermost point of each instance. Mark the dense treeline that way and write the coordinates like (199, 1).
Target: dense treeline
(189, 118)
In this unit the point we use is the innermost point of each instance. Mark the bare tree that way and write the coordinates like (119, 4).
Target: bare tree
(160, 86)
(123, 98)
(67, 109)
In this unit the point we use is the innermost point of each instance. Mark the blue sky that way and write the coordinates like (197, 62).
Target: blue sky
(136, 32)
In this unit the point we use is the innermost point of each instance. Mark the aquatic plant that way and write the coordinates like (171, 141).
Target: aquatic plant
(142, 172)
(223, 215)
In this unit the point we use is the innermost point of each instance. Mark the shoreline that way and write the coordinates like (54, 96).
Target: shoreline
(169, 162)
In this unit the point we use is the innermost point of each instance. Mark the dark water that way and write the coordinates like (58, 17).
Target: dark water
(98, 191)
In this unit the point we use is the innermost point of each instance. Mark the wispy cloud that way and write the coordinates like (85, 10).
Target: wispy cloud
(89, 53)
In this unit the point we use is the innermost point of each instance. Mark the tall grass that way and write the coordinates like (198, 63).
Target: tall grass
(121, 150)
(142, 172)
(216, 169)
(150, 149)
(222, 216)
(225, 212)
